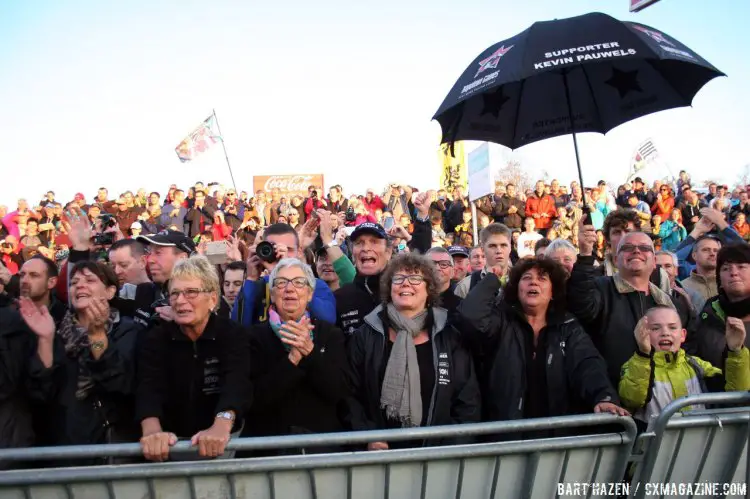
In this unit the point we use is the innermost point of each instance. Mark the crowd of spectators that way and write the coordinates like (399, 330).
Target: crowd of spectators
(208, 314)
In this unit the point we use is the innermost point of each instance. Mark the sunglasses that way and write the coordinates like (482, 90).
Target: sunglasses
(629, 248)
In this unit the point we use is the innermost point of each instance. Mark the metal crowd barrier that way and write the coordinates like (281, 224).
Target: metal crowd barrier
(508, 469)
(698, 448)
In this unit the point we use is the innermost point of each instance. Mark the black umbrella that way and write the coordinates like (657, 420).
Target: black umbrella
(591, 71)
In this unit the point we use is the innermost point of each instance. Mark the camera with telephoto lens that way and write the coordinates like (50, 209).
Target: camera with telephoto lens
(266, 252)
(350, 215)
(314, 194)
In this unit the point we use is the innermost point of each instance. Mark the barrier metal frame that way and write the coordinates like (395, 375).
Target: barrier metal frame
(664, 421)
(227, 468)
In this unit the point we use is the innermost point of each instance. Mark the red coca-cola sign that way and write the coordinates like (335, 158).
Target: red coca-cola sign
(289, 185)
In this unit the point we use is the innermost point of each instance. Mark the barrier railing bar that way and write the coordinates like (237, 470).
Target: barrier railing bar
(673, 457)
(179, 469)
(704, 456)
(423, 490)
(324, 439)
(191, 486)
(563, 470)
(529, 475)
(110, 490)
(460, 480)
(151, 489)
(232, 485)
(495, 475)
(313, 483)
(649, 460)
(348, 483)
(271, 484)
(387, 491)
(689, 421)
(595, 472)
(739, 447)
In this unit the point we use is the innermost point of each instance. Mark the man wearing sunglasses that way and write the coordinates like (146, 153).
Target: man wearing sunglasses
(609, 307)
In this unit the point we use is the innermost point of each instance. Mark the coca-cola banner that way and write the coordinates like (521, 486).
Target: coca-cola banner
(289, 185)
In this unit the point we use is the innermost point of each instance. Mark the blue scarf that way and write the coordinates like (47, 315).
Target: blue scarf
(274, 319)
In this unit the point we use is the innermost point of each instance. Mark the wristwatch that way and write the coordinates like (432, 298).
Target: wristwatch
(332, 244)
(226, 415)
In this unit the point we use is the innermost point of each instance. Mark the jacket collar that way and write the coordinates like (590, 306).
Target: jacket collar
(659, 296)
(703, 279)
(208, 334)
(439, 316)
(369, 283)
(668, 359)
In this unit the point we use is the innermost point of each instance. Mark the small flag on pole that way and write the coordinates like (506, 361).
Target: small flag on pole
(199, 140)
(644, 154)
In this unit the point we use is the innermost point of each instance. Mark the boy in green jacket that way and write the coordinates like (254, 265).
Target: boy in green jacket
(660, 371)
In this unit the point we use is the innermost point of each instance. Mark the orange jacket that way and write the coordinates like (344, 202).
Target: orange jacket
(539, 206)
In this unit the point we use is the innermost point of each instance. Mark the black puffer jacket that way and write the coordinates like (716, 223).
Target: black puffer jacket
(711, 340)
(106, 414)
(16, 347)
(575, 372)
(610, 317)
(455, 398)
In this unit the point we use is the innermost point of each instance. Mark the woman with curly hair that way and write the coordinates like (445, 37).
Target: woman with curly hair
(538, 360)
(407, 364)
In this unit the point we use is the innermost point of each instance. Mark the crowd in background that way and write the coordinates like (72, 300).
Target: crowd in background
(207, 313)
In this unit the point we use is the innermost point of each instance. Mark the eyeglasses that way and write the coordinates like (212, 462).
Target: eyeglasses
(297, 282)
(643, 248)
(190, 293)
(413, 279)
(443, 264)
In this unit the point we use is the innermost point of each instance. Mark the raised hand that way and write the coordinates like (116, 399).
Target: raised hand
(422, 204)
(38, 319)
(735, 334)
(643, 336)
(80, 231)
(586, 239)
(233, 249)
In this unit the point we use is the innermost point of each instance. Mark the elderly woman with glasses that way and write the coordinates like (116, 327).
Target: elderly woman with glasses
(193, 375)
(407, 364)
(297, 363)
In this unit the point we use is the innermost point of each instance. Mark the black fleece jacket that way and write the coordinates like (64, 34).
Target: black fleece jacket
(186, 383)
(289, 399)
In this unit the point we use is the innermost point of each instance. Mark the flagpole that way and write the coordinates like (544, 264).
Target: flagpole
(226, 156)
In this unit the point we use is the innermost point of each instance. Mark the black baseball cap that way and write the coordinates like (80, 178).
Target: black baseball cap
(458, 251)
(376, 230)
(171, 238)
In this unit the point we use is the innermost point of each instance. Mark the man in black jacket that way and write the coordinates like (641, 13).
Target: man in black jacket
(609, 307)
(510, 211)
(16, 348)
(371, 253)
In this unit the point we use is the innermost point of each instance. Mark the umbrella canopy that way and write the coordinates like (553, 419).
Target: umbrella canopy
(592, 71)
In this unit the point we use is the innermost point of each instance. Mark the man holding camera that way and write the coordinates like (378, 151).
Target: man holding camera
(251, 306)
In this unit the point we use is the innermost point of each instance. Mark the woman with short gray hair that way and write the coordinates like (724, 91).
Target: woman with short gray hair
(297, 362)
(408, 366)
(563, 252)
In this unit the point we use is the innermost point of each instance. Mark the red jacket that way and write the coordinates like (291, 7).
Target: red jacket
(221, 231)
(537, 206)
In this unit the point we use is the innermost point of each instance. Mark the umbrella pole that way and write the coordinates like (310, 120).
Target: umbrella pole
(573, 132)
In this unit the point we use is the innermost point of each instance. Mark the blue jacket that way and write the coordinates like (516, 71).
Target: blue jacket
(671, 238)
(251, 306)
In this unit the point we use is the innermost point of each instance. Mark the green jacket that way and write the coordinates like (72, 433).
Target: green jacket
(649, 383)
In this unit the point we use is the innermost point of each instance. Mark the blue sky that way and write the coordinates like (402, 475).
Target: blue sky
(97, 94)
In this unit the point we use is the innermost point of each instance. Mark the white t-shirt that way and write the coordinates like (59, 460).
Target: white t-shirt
(526, 243)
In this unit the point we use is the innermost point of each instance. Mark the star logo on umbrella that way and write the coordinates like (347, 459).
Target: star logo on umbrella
(654, 35)
(624, 82)
(492, 61)
(493, 102)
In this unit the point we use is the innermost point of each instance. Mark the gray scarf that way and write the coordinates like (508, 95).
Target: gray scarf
(401, 394)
